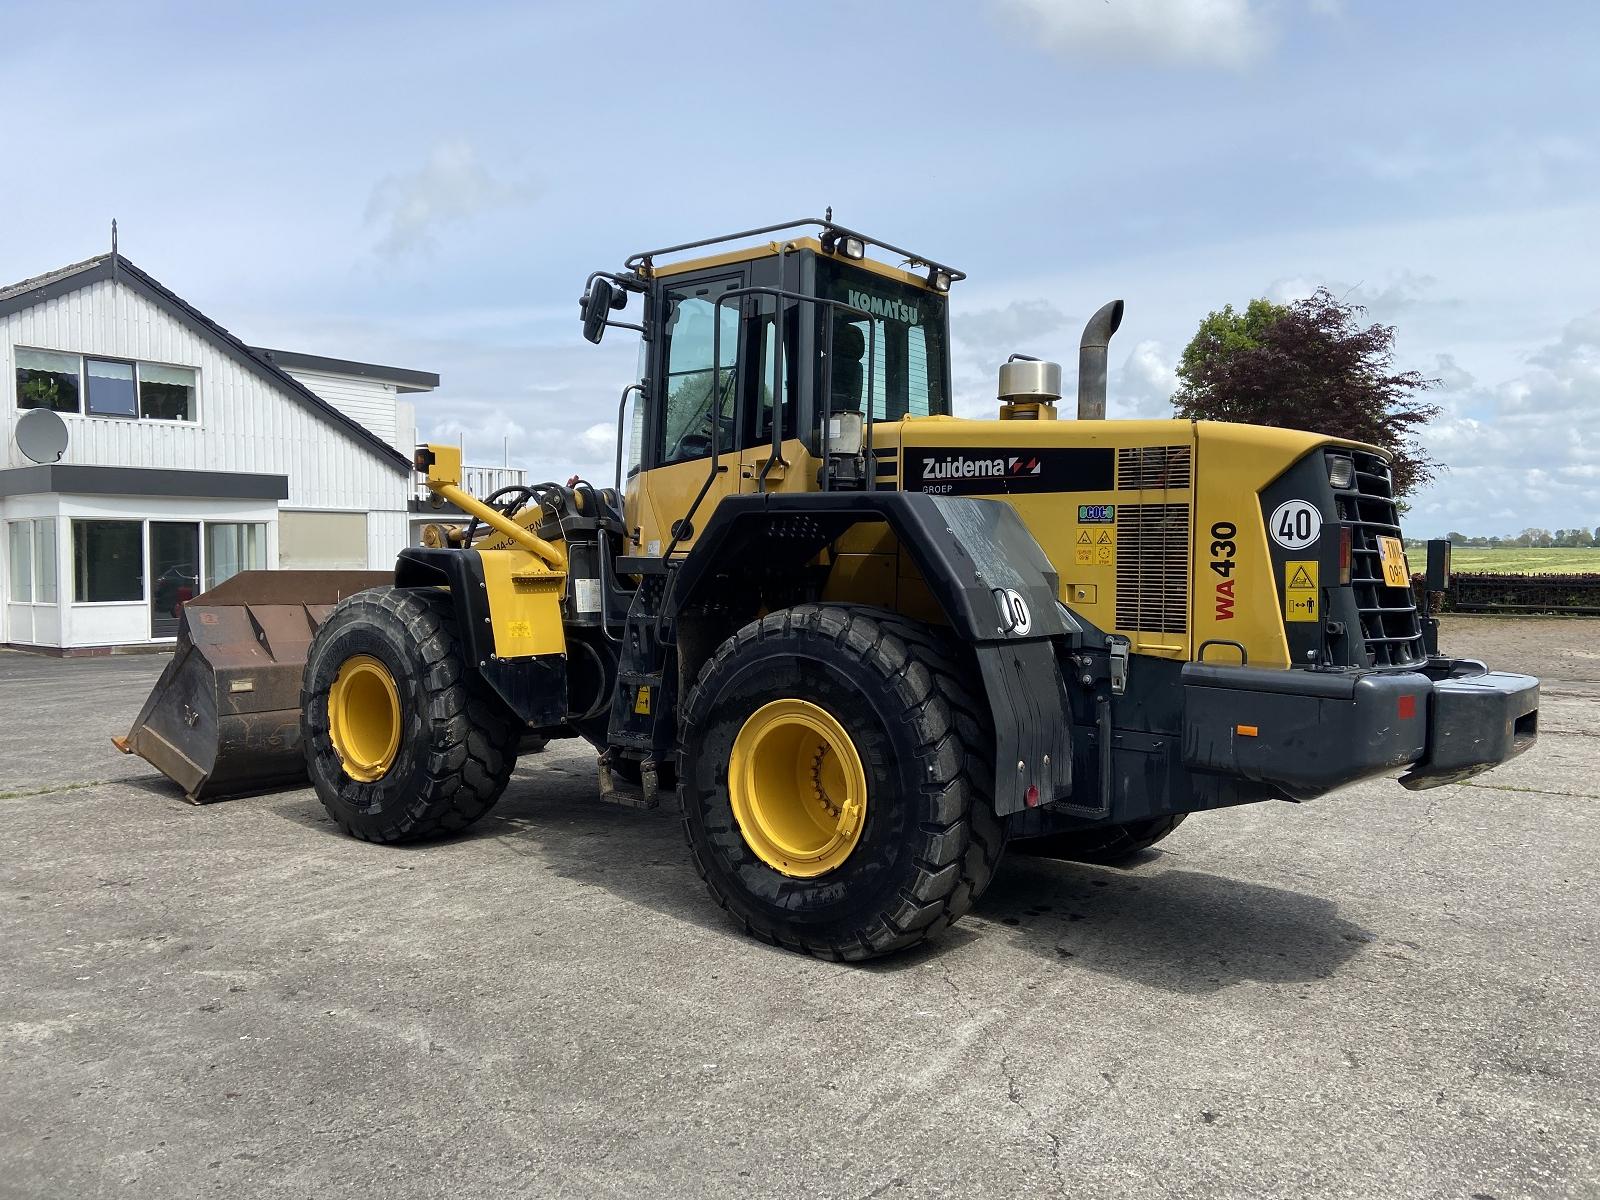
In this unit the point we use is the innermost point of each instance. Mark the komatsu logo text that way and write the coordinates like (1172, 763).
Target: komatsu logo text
(962, 467)
(889, 310)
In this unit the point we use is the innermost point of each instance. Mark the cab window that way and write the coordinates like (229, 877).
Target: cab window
(895, 345)
(701, 397)
(762, 426)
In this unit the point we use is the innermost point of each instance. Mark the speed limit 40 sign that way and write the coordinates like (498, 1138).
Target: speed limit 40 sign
(1295, 524)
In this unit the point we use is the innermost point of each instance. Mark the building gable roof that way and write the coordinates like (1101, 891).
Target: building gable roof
(402, 379)
(115, 267)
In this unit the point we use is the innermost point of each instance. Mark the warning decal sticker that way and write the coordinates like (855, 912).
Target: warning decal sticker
(1300, 590)
(1095, 546)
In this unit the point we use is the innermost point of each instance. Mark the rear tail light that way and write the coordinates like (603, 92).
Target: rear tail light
(1344, 556)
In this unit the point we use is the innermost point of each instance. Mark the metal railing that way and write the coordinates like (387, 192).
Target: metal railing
(483, 481)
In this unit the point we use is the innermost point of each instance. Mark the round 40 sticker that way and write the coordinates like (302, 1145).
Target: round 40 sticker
(1295, 524)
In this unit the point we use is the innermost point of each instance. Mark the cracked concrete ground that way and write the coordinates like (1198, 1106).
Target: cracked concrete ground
(1378, 994)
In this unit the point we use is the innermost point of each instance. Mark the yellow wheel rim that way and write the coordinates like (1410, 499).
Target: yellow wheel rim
(364, 717)
(798, 789)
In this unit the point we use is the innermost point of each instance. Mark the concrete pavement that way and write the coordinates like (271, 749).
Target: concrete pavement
(1378, 994)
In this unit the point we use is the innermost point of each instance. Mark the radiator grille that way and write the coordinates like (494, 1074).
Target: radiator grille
(1153, 567)
(1390, 626)
(1152, 468)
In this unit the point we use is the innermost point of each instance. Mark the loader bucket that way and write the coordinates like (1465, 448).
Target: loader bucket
(224, 718)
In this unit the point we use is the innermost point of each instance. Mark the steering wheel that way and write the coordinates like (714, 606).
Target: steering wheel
(697, 443)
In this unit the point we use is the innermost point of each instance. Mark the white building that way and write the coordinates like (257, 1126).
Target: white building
(190, 456)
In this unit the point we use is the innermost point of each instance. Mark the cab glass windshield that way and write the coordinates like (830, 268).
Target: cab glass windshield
(900, 348)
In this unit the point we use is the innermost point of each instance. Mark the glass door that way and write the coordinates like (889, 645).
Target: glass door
(174, 572)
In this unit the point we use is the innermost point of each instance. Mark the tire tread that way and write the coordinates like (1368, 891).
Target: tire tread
(471, 736)
(961, 849)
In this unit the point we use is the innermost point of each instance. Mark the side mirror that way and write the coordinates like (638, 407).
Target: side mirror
(845, 434)
(596, 306)
(1438, 576)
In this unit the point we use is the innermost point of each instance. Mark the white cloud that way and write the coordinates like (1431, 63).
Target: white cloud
(1392, 293)
(1526, 452)
(408, 209)
(1506, 162)
(1007, 330)
(599, 440)
(1144, 385)
(1224, 33)
(1451, 376)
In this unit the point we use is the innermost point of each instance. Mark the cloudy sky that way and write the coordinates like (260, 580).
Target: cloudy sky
(428, 186)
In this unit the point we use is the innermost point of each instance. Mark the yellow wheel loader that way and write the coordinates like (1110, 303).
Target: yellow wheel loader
(863, 644)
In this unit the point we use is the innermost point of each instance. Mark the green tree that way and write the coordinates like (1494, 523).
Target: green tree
(1309, 365)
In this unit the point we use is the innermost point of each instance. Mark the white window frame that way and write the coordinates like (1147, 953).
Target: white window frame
(144, 565)
(205, 549)
(203, 566)
(83, 388)
(36, 575)
(138, 378)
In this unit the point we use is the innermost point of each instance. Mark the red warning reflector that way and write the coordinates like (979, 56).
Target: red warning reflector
(1247, 731)
(1408, 707)
(1031, 796)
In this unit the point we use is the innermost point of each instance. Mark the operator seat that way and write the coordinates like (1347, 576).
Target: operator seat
(849, 344)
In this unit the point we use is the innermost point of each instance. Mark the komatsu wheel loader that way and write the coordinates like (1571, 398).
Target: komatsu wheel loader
(862, 643)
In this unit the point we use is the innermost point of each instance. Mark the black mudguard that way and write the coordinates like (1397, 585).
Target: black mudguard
(533, 688)
(991, 579)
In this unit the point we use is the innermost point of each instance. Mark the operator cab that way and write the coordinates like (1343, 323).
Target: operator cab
(858, 341)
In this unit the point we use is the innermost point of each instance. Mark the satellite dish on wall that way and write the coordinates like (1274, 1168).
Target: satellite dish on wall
(42, 435)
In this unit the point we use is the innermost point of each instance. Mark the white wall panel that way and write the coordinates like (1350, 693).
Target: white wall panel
(368, 401)
(245, 423)
(106, 624)
(387, 534)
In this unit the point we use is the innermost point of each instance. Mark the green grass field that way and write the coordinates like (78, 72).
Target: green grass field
(1518, 561)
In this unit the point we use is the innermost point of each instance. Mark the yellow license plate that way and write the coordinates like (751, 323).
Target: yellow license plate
(1393, 555)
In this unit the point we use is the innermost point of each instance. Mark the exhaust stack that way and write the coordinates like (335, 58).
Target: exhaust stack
(1092, 361)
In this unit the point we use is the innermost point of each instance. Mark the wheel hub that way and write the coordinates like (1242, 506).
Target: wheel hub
(364, 718)
(798, 789)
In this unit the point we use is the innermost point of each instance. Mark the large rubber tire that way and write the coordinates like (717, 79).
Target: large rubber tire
(1106, 845)
(458, 740)
(929, 842)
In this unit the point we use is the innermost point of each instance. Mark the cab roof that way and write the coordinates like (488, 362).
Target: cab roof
(772, 249)
(829, 242)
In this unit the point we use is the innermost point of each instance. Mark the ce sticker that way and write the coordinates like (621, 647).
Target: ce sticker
(1014, 615)
(1295, 524)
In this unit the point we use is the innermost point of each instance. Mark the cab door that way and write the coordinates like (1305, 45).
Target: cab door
(698, 409)
(794, 470)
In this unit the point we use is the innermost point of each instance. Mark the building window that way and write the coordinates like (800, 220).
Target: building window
(232, 547)
(166, 393)
(21, 558)
(115, 388)
(32, 556)
(46, 379)
(107, 561)
(111, 390)
(44, 561)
